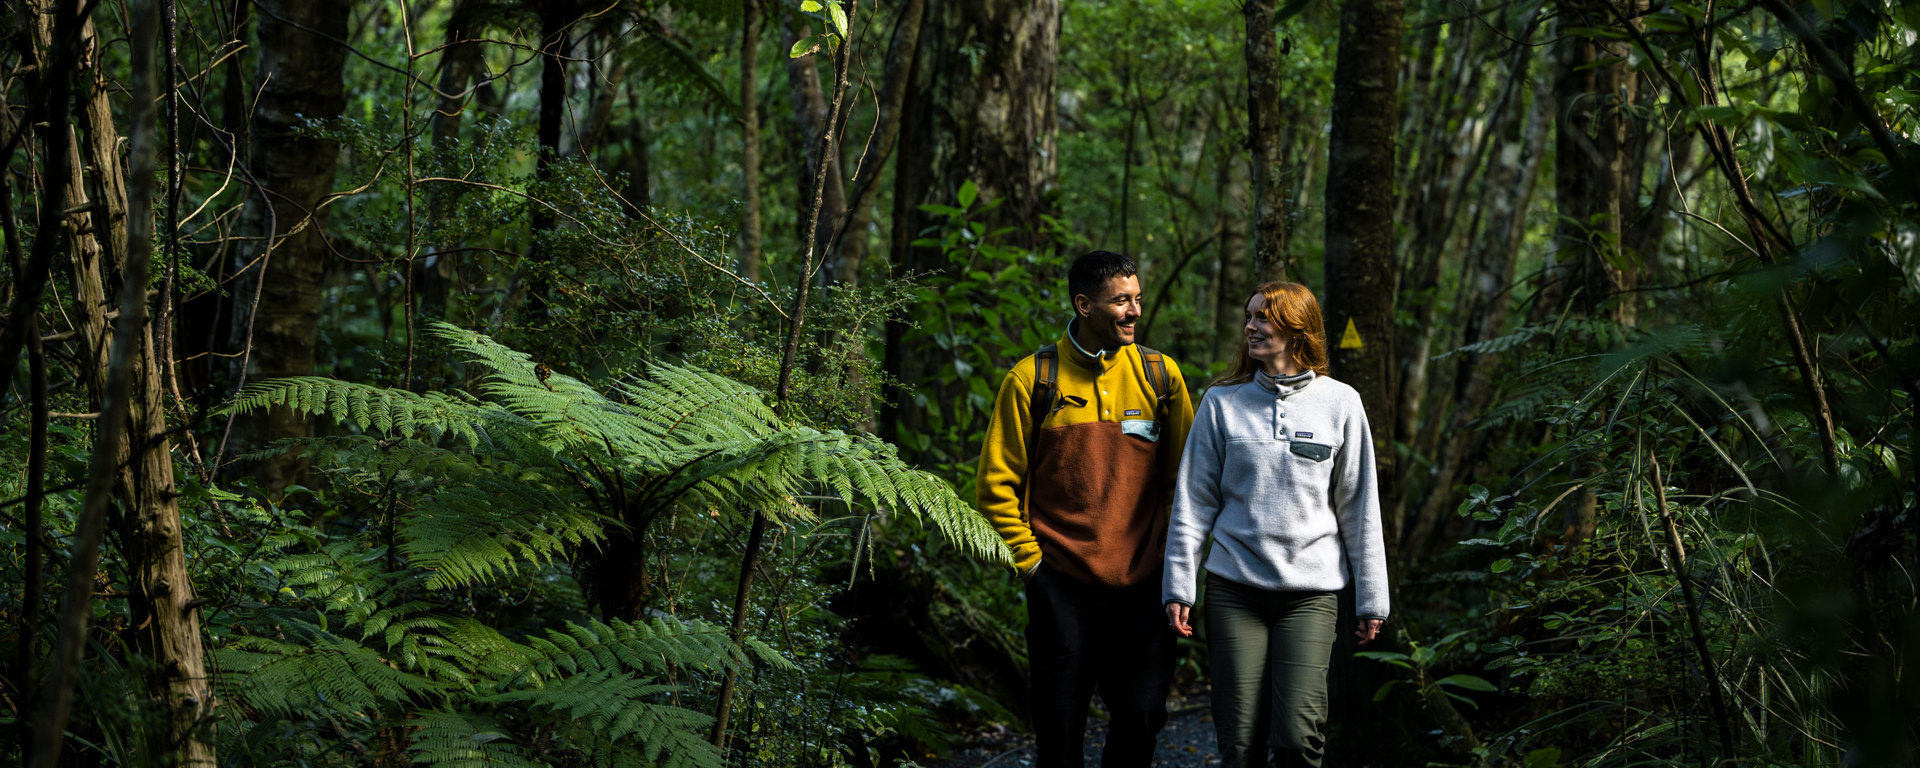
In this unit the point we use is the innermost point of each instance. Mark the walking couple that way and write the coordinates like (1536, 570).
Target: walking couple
(1106, 484)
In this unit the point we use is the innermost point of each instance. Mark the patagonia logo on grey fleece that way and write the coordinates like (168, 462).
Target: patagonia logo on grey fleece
(1304, 435)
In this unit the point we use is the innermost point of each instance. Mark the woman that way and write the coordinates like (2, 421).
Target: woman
(1279, 471)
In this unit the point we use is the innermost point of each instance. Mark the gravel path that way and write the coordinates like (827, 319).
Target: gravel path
(1186, 742)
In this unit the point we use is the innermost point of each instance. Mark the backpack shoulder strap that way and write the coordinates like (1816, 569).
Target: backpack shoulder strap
(1156, 365)
(1046, 385)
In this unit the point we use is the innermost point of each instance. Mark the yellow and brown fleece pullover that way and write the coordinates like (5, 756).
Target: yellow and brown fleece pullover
(1093, 500)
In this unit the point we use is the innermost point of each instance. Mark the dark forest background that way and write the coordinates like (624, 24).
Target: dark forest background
(598, 382)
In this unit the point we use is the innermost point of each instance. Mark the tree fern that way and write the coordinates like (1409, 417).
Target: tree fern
(322, 672)
(537, 470)
(713, 442)
(683, 437)
(593, 688)
(462, 740)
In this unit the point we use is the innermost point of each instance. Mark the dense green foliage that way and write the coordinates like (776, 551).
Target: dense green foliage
(1634, 523)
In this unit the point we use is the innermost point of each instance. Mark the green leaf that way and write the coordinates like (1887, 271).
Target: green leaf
(968, 193)
(1468, 682)
(804, 46)
(839, 16)
(1391, 657)
(810, 6)
(1501, 565)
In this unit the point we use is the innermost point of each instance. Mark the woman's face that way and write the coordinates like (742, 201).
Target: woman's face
(1265, 342)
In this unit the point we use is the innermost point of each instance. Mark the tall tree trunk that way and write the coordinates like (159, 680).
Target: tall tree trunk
(1593, 88)
(205, 318)
(55, 48)
(1266, 137)
(133, 453)
(750, 140)
(1359, 232)
(1233, 282)
(556, 44)
(300, 68)
(982, 107)
(850, 244)
(789, 359)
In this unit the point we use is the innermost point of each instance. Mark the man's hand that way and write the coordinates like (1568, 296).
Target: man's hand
(1367, 630)
(1177, 614)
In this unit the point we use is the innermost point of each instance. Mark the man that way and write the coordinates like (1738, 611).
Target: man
(1076, 473)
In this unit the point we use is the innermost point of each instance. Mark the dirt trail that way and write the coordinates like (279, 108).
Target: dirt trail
(1186, 742)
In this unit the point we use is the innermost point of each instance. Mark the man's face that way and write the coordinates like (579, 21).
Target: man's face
(1109, 314)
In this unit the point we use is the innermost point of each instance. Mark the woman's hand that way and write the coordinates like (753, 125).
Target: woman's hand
(1367, 630)
(1177, 614)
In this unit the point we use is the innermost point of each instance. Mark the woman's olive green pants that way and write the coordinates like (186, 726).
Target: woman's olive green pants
(1269, 652)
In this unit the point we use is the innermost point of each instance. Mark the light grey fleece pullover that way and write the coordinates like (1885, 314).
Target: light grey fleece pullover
(1280, 472)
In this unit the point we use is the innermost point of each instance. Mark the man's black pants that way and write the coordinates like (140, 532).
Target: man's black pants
(1084, 639)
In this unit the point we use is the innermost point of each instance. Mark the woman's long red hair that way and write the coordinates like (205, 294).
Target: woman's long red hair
(1292, 308)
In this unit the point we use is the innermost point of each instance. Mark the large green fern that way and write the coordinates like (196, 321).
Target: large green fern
(529, 471)
(676, 436)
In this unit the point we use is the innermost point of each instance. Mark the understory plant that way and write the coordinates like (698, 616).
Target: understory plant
(411, 617)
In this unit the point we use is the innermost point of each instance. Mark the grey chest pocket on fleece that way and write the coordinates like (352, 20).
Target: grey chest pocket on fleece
(1314, 451)
(1141, 428)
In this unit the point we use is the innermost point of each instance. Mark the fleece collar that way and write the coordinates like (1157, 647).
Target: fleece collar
(1284, 386)
(1100, 361)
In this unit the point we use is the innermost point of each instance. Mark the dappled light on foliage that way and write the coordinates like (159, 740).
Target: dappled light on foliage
(487, 382)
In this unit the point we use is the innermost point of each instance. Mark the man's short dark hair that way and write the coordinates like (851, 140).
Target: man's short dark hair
(1094, 268)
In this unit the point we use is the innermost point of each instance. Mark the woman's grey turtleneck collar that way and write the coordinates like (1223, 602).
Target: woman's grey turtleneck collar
(1284, 386)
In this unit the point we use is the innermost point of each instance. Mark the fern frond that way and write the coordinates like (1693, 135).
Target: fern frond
(624, 709)
(653, 646)
(324, 673)
(688, 405)
(862, 470)
(389, 411)
(493, 524)
(457, 740)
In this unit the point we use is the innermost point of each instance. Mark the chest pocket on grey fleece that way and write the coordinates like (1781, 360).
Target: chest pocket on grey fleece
(1314, 451)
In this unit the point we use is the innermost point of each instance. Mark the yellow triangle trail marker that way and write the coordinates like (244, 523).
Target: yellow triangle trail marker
(1350, 339)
